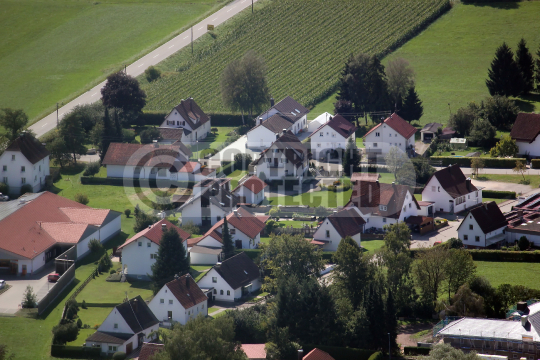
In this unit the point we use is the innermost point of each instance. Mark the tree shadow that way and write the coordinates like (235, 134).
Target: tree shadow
(72, 169)
(502, 5)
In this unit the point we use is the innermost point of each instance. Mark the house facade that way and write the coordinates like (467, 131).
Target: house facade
(24, 162)
(139, 253)
(484, 226)
(179, 301)
(392, 132)
(188, 116)
(251, 190)
(335, 227)
(332, 135)
(525, 132)
(450, 191)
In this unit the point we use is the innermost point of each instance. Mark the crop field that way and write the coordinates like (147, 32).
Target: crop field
(304, 44)
(51, 51)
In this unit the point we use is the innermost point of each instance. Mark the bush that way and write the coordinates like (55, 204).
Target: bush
(82, 198)
(29, 298)
(152, 74)
(127, 212)
(64, 333)
(4, 188)
(119, 355)
(500, 163)
(496, 194)
(191, 228)
(95, 246)
(149, 135)
(91, 168)
(376, 356)
(105, 263)
(75, 352)
(79, 323)
(523, 243)
(274, 212)
(242, 161)
(414, 351)
(112, 271)
(128, 135)
(26, 188)
(226, 168)
(535, 163)
(83, 305)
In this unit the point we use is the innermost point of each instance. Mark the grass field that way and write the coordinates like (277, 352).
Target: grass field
(235, 176)
(51, 51)
(318, 198)
(372, 245)
(91, 316)
(510, 178)
(284, 33)
(510, 273)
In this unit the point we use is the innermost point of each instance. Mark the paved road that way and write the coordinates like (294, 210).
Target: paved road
(49, 122)
(468, 171)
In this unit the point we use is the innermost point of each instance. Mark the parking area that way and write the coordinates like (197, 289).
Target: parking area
(10, 301)
(441, 235)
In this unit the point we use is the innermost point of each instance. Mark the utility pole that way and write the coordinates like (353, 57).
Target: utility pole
(57, 115)
(192, 39)
(125, 69)
(449, 109)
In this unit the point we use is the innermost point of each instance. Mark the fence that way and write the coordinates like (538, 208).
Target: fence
(64, 280)
(307, 232)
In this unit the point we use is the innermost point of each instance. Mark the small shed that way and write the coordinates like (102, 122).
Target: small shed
(429, 131)
(458, 143)
(421, 224)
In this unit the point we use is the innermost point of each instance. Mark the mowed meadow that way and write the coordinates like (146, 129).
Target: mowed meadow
(304, 44)
(51, 51)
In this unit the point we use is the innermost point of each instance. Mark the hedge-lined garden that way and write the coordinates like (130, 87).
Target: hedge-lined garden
(499, 163)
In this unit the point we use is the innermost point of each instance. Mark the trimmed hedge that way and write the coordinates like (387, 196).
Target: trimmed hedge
(535, 163)
(500, 163)
(495, 255)
(496, 194)
(100, 305)
(413, 350)
(152, 118)
(88, 180)
(341, 353)
(75, 352)
(227, 119)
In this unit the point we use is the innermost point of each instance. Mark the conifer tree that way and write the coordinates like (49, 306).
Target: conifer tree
(391, 320)
(412, 108)
(525, 63)
(171, 259)
(504, 75)
(228, 246)
(537, 73)
(351, 158)
(107, 134)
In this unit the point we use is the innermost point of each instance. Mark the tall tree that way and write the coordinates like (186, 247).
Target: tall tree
(375, 310)
(228, 245)
(14, 121)
(171, 259)
(59, 152)
(412, 108)
(537, 70)
(351, 158)
(108, 134)
(390, 319)
(482, 133)
(459, 268)
(462, 120)
(525, 63)
(429, 271)
(477, 163)
(395, 160)
(447, 352)
(504, 77)
(500, 111)
(72, 133)
(123, 92)
(467, 303)
(506, 147)
(400, 79)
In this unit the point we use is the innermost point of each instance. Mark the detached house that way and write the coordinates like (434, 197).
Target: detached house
(392, 132)
(233, 278)
(139, 253)
(484, 226)
(525, 132)
(126, 328)
(189, 117)
(251, 190)
(332, 135)
(286, 115)
(179, 301)
(25, 161)
(450, 191)
(286, 158)
(335, 227)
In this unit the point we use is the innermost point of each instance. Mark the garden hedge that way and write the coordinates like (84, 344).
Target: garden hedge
(500, 163)
(535, 163)
(496, 194)
(340, 353)
(227, 119)
(227, 169)
(99, 305)
(495, 255)
(414, 351)
(89, 180)
(75, 352)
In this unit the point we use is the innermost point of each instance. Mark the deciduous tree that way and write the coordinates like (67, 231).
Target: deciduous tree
(462, 120)
(537, 70)
(459, 269)
(482, 133)
(504, 77)
(14, 121)
(520, 168)
(400, 79)
(525, 63)
(122, 91)
(500, 111)
(506, 147)
(59, 152)
(467, 303)
(171, 259)
(477, 163)
(429, 271)
(72, 133)
(395, 160)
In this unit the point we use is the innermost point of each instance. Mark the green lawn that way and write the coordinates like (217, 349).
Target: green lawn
(451, 58)
(510, 273)
(51, 51)
(198, 271)
(510, 178)
(91, 316)
(235, 176)
(211, 141)
(372, 245)
(297, 224)
(318, 198)
(213, 310)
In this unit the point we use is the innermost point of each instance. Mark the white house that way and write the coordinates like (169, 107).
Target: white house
(25, 161)
(188, 116)
(484, 226)
(332, 135)
(392, 132)
(126, 328)
(382, 204)
(525, 132)
(286, 158)
(36, 228)
(211, 201)
(286, 115)
(139, 253)
(232, 279)
(451, 191)
(179, 301)
(523, 223)
(335, 227)
(251, 190)
(319, 121)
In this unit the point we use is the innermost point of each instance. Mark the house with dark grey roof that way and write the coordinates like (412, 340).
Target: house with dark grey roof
(335, 227)
(525, 132)
(24, 162)
(188, 116)
(179, 300)
(233, 278)
(450, 191)
(483, 227)
(332, 135)
(126, 327)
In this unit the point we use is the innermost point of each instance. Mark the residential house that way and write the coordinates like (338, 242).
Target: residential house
(319, 121)
(139, 252)
(382, 204)
(484, 226)
(429, 131)
(25, 161)
(392, 132)
(188, 116)
(148, 350)
(523, 223)
(315, 354)
(250, 190)
(331, 136)
(525, 132)
(36, 228)
(335, 227)
(286, 115)
(179, 301)
(126, 328)
(233, 278)
(286, 158)
(211, 201)
(511, 339)
(451, 191)
(364, 176)
(254, 351)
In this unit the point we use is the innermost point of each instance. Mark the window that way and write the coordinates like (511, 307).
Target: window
(23, 168)
(153, 256)
(5, 180)
(153, 171)
(383, 220)
(112, 348)
(374, 144)
(333, 134)
(389, 135)
(214, 279)
(269, 160)
(228, 292)
(318, 145)
(12, 157)
(377, 134)
(409, 205)
(405, 208)
(465, 237)
(232, 231)
(327, 233)
(170, 302)
(399, 144)
(148, 245)
(382, 207)
(218, 218)
(140, 243)
(220, 292)
(477, 238)
(470, 226)
(433, 188)
(439, 188)
(476, 192)
(321, 134)
(4, 168)
(215, 291)
(202, 306)
(23, 180)
(116, 326)
(469, 196)
(162, 301)
(35, 178)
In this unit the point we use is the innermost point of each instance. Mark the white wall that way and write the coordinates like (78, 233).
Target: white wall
(532, 149)
(409, 207)
(476, 231)
(318, 121)
(433, 191)
(203, 259)
(512, 237)
(179, 313)
(111, 229)
(246, 243)
(251, 198)
(260, 137)
(333, 236)
(387, 138)
(193, 212)
(219, 286)
(330, 139)
(34, 174)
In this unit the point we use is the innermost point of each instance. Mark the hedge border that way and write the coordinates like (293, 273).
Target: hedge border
(496, 255)
(498, 194)
(498, 163)
(535, 163)
(413, 350)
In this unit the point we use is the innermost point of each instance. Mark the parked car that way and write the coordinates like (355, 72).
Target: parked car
(2, 284)
(53, 277)
(4, 197)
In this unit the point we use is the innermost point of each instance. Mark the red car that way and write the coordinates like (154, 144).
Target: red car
(53, 277)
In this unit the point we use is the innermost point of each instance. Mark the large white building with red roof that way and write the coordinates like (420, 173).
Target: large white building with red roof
(139, 252)
(36, 228)
(392, 132)
(332, 135)
(251, 190)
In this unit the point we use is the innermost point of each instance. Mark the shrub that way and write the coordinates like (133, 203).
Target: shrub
(29, 298)
(95, 246)
(91, 168)
(321, 211)
(413, 350)
(119, 355)
(79, 323)
(214, 130)
(191, 228)
(149, 135)
(270, 226)
(127, 212)
(128, 135)
(26, 188)
(152, 74)
(535, 163)
(274, 212)
(72, 308)
(523, 243)
(82, 198)
(496, 194)
(83, 305)
(105, 263)
(455, 243)
(242, 161)
(64, 333)
(501, 163)
(4, 188)
(112, 271)
(337, 182)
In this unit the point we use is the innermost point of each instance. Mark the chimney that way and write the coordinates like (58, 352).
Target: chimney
(155, 143)
(149, 226)
(300, 354)
(524, 320)
(520, 216)
(468, 183)
(522, 306)
(272, 102)
(164, 227)
(369, 198)
(135, 305)
(218, 265)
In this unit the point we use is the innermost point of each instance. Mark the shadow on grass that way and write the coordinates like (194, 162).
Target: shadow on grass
(502, 5)
(525, 104)
(72, 169)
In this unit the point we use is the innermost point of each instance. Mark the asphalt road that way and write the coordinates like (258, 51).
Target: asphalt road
(49, 122)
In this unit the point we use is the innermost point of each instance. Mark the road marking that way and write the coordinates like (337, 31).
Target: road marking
(214, 19)
(156, 56)
(140, 65)
(94, 93)
(44, 124)
(61, 114)
(185, 37)
(171, 46)
(231, 8)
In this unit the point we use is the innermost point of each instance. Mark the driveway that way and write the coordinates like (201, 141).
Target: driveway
(442, 235)
(502, 186)
(420, 147)
(10, 301)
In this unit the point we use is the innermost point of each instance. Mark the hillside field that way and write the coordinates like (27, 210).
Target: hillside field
(51, 51)
(452, 56)
(305, 44)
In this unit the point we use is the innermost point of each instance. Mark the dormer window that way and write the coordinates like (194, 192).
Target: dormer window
(382, 207)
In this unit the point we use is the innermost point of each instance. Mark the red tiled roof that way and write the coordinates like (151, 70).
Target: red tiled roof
(189, 167)
(86, 215)
(142, 155)
(186, 291)
(31, 148)
(318, 354)
(254, 351)
(148, 350)
(397, 123)
(192, 241)
(253, 183)
(363, 176)
(246, 222)
(425, 203)
(66, 233)
(526, 127)
(154, 233)
(347, 222)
